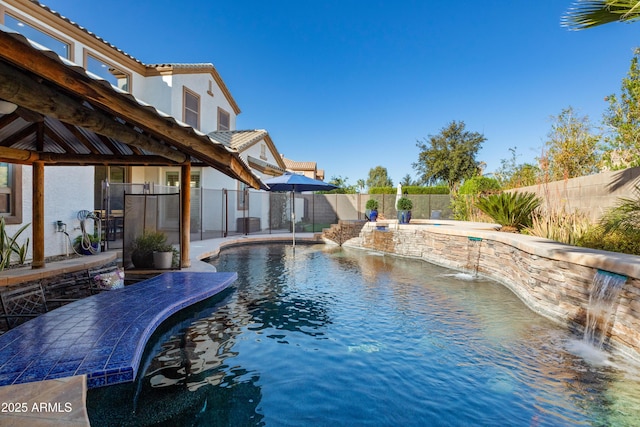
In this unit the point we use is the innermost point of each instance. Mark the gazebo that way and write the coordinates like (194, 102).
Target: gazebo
(52, 112)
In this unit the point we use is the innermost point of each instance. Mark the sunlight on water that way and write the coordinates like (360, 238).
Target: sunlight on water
(343, 337)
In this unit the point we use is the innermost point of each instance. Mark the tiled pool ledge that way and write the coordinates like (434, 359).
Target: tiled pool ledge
(102, 336)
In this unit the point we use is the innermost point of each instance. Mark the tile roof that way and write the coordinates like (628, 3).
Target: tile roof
(32, 48)
(299, 166)
(185, 66)
(238, 139)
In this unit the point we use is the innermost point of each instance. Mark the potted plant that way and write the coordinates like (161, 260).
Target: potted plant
(404, 207)
(144, 246)
(164, 257)
(87, 244)
(372, 210)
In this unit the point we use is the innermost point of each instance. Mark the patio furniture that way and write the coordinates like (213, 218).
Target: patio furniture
(23, 303)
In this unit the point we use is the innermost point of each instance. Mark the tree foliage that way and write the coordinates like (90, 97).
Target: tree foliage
(622, 121)
(590, 13)
(571, 147)
(512, 174)
(378, 177)
(449, 156)
(406, 181)
(342, 184)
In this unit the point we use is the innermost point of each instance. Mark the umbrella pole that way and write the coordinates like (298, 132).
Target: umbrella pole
(293, 217)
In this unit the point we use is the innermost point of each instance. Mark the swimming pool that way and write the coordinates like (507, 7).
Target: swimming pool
(326, 336)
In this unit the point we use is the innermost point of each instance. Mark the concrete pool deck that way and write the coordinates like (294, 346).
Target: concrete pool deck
(66, 395)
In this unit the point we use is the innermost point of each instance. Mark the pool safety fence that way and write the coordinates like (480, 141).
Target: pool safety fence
(223, 213)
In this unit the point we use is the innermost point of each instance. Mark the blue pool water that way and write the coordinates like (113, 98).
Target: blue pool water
(332, 337)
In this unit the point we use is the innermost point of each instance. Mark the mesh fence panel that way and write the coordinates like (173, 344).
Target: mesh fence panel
(145, 213)
(220, 213)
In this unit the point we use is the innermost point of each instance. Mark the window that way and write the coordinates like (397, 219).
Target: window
(191, 114)
(110, 73)
(223, 120)
(32, 33)
(11, 193)
(263, 152)
(173, 179)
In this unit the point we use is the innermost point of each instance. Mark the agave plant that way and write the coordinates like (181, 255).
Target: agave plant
(511, 210)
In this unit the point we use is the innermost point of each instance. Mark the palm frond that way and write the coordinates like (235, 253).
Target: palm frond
(591, 13)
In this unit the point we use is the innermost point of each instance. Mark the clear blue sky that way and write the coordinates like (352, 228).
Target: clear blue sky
(353, 84)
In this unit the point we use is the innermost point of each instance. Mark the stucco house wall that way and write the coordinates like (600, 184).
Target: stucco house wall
(68, 189)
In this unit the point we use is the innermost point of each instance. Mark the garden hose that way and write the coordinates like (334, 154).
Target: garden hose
(85, 241)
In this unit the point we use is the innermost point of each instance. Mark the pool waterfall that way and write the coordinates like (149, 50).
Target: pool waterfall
(604, 294)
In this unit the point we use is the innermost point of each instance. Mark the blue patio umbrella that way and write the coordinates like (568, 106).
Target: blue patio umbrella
(296, 183)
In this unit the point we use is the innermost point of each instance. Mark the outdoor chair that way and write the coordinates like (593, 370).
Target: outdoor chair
(22, 303)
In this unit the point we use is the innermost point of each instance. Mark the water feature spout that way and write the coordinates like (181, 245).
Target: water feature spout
(603, 299)
(474, 263)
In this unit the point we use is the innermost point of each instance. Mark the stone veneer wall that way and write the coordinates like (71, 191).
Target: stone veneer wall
(551, 278)
(344, 230)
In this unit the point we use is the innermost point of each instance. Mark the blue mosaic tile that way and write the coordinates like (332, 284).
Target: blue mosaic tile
(86, 337)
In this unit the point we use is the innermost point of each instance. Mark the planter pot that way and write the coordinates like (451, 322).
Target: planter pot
(373, 215)
(162, 260)
(142, 260)
(404, 217)
(96, 249)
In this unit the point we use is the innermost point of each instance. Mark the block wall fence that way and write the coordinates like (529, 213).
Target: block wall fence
(552, 279)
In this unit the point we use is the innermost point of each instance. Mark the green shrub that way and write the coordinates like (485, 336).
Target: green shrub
(513, 211)
(614, 241)
(372, 204)
(480, 185)
(150, 241)
(404, 204)
(411, 189)
(463, 205)
(618, 229)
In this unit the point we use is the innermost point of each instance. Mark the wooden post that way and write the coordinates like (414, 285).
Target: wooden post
(185, 211)
(37, 223)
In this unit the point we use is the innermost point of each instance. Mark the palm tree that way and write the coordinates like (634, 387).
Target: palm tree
(591, 13)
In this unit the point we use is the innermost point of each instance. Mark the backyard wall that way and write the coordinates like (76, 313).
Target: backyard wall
(551, 278)
(591, 194)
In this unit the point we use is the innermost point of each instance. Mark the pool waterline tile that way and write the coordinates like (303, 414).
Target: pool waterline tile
(102, 336)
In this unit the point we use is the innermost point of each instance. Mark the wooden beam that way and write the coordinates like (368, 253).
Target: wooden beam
(20, 135)
(58, 140)
(81, 138)
(22, 90)
(8, 119)
(13, 155)
(37, 223)
(26, 157)
(185, 211)
(57, 159)
(29, 115)
(15, 52)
